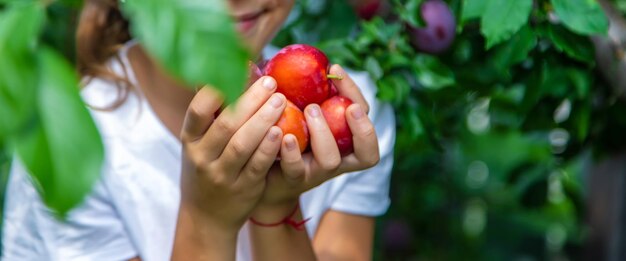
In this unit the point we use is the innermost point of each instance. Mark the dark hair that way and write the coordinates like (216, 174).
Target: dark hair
(102, 31)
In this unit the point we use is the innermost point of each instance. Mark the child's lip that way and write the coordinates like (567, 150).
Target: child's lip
(248, 16)
(246, 21)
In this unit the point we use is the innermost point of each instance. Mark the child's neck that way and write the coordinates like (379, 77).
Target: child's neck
(168, 98)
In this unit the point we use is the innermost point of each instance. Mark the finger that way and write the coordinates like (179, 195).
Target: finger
(347, 87)
(364, 139)
(249, 136)
(263, 158)
(235, 115)
(325, 151)
(291, 162)
(200, 114)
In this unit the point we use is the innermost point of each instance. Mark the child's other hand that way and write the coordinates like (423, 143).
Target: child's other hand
(298, 172)
(226, 159)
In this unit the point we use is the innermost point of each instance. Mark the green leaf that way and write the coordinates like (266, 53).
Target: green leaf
(410, 12)
(339, 51)
(579, 120)
(582, 16)
(473, 9)
(62, 149)
(581, 81)
(373, 67)
(340, 23)
(20, 26)
(416, 127)
(18, 2)
(72, 3)
(393, 88)
(433, 74)
(193, 39)
(502, 18)
(523, 148)
(575, 46)
(515, 50)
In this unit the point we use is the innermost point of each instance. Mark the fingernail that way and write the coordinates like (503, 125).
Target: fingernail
(276, 101)
(269, 83)
(357, 112)
(291, 143)
(273, 135)
(340, 70)
(314, 111)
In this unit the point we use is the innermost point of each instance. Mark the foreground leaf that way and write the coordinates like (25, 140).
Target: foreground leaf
(20, 26)
(62, 149)
(193, 39)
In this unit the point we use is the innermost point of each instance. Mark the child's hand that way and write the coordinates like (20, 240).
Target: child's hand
(298, 173)
(226, 159)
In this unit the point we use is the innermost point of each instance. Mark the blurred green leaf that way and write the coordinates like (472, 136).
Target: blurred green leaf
(515, 50)
(341, 23)
(373, 67)
(580, 120)
(18, 2)
(581, 81)
(338, 52)
(62, 149)
(415, 123)
(576, 46)
(473, 9)
(527, 148)
(502, 18)
(410, 12)
(379, 31)
(60, 28)
(72, 3)
(194, 39)
(582, 16)
(20, 25)
(393, 88)
(431, 73)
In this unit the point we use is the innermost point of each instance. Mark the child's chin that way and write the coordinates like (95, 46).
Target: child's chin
(255, 45)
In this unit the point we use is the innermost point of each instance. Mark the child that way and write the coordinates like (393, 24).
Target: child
(217, 192)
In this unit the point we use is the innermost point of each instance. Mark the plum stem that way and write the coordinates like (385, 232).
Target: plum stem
(334, 76)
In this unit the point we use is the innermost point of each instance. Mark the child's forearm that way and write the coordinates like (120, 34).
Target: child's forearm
(198, 239)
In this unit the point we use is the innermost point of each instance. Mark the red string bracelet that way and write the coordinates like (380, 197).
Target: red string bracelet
(288, 220)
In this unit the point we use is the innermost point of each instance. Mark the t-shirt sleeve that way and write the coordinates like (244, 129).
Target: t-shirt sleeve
(367, 192)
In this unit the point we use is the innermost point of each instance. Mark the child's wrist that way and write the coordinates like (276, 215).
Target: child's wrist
(286, 214)
(268, 213)
(204, 220)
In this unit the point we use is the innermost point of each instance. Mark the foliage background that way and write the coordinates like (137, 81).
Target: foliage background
(494, 135)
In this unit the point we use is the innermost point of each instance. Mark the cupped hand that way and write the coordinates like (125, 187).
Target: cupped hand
(226, 159)
(297, 173)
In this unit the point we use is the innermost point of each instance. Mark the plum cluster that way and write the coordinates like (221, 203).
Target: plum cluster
(302, 75)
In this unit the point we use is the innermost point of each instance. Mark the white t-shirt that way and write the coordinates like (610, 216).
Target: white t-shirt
(132, 209)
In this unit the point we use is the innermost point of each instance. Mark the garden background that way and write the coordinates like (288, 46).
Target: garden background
(500, 136)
